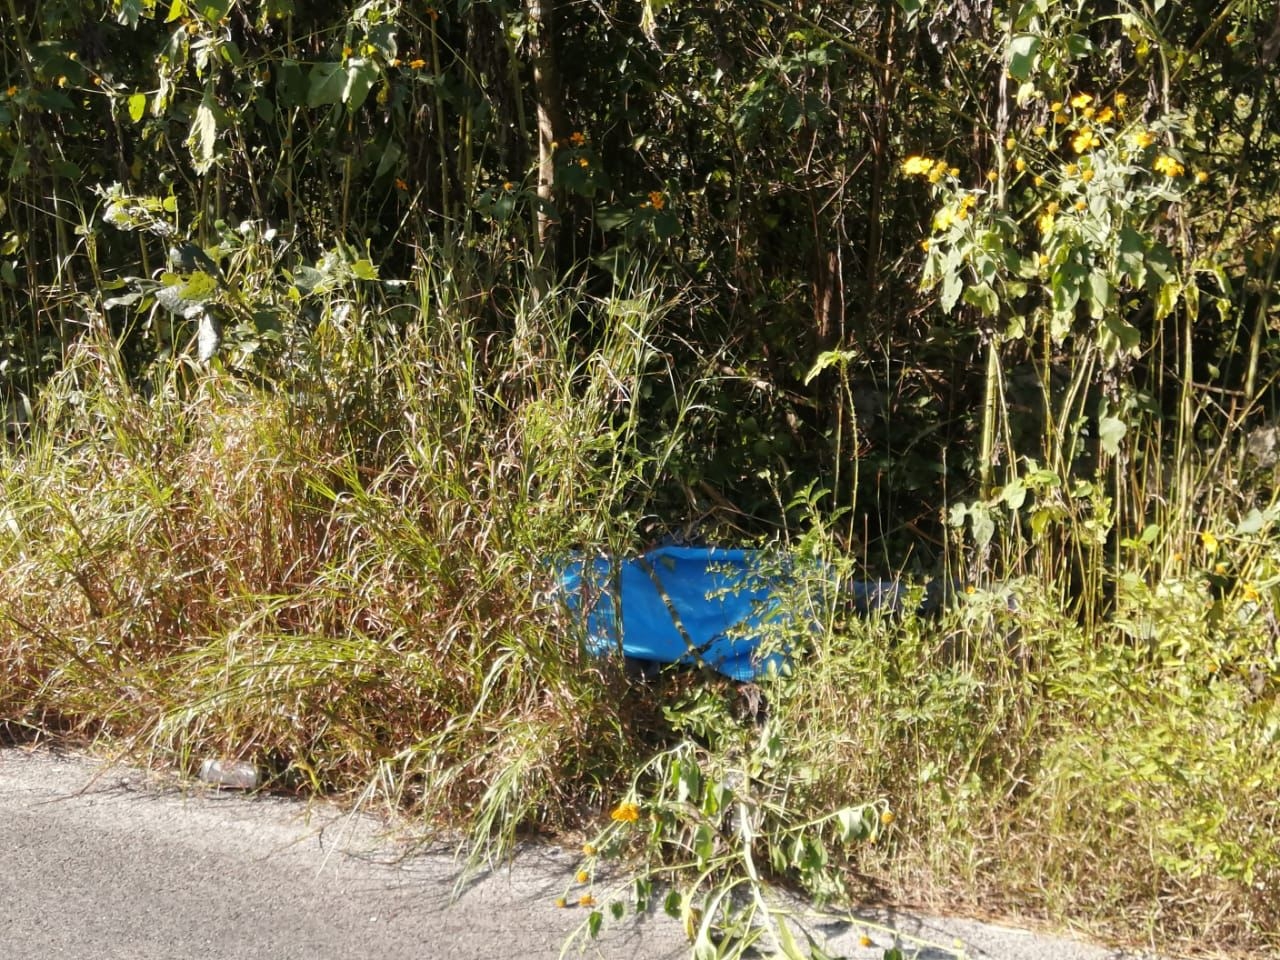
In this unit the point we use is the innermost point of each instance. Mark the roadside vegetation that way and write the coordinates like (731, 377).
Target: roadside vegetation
(326, 333)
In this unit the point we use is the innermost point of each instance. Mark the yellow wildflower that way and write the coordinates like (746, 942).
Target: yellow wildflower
(1038, 181)
(1219, 568)
(1120, 101)
(1080, 205)
(1089, 112)
(943, 219)
(582, 876)
(1081, 142)
(584, 162)
(589, 849)
(1043, 259)
(1201, 176)
(586, 900)
(1041, 130)
(1055, 107)
(657, 200)
(507, 185)
(917, 166)
(1105, 115)
(1019, 164)
(625, 813)
(62, 81)
(12, 92)
(1144, 139)
(1250, 593)
(953, 172)
(1086, 176)
(346, 52)
(578, 138)
(561, 902)
(887, 817)
(962, 213)
(1210, 542)
(1072, 169)
(1060, 117)
(417, 64)
(864, 941)
(939, 169)
(924, 244)
(968, 201)
(401, 185)
(1010, 143)
(992, 176)
(1168, 166)
(1081, 100)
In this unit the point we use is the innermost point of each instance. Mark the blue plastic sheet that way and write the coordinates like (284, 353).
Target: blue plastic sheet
(705, 605)
(685, 605)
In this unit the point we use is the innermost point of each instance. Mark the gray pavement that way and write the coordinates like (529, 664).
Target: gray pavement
(113, 863)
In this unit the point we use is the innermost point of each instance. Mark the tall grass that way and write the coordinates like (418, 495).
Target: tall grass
(344, 578)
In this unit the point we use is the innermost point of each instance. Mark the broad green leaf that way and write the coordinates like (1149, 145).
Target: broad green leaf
(327, 84)
(1022, 56)
(202, 141)
(137, 106)
(1111, 431)
(984, 298)
(361, 75)
(1099, 294)
(364, 269)
(177, 10)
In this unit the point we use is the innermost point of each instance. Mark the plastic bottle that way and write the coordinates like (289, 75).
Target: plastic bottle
(235, 774)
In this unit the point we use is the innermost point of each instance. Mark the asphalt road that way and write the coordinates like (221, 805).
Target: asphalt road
(102, 863)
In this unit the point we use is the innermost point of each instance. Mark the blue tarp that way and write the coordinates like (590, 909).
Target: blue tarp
(699, 605)
(679, 605)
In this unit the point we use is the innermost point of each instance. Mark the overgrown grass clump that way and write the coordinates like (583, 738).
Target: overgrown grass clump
(341, 571)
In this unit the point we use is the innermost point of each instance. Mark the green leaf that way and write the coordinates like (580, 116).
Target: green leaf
(202, 141)
(361, 75)
(137, 106)
(1099, 294)
(327, 84)
(984, 298)
(593, 923)
(1111, 431)
(1022, 56)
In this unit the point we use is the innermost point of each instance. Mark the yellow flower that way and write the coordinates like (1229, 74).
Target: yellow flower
(1071, 169)
(417, 64)
(578, 138)
(1106, 115)
(968, 201)
(1080, 205)
(939, 169)
(1219, 568)
(1250, 593)
(582, 876)
(1043, 259)
(1201, 176)
(1019, 164)
(1038, 181)
(864, 941)
(962, 213)
(953, 172)
(1087, 176)
(346, 52)
(584, 162)
(1081, 100)
(586, 900)
(625, 813)
(1055, 107)
(401, 185)
(1089, 112)
(62, 81)
(917, 166)
(561, 902)
(507, 185)
(887, 817)
(1010, 143)
(1060, 117)
(992, 176)
(657, 200)
(924, 244)
(589, 849)
(1210, 542)
(1082, 141)
(1041, 130)
(1120, 101)
(943, 219)
(12, 92)
(1168, 166)
(1144, 139)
